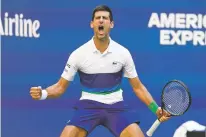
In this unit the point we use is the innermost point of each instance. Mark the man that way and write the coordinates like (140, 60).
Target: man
(101, 63)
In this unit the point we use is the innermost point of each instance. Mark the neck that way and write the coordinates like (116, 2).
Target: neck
(101, 44)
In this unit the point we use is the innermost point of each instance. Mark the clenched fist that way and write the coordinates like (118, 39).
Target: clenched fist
(162, 115)
(36, 92)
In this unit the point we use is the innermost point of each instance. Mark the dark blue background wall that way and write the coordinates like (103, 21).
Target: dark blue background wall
(64, 27)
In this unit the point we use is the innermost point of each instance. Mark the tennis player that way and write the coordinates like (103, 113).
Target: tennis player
(101, 63)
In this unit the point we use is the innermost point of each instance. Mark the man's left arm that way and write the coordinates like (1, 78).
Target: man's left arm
(143, 94)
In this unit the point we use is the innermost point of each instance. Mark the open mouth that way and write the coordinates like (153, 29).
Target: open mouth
(101, 28)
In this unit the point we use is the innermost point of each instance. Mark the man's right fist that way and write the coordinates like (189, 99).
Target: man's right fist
(36, 92)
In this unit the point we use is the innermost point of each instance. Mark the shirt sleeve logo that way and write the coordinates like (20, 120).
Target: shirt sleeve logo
(68, 65)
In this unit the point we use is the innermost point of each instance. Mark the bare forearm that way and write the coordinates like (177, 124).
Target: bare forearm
(141, 91)
(143, 95)
(54, 91)
(57, 89)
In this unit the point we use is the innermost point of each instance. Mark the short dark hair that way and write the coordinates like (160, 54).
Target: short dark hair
(103, 8)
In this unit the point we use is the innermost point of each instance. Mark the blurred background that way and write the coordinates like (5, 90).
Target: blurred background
(64, 26)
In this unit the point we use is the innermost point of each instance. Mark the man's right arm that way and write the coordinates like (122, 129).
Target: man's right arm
(53, 91)
(60, 87)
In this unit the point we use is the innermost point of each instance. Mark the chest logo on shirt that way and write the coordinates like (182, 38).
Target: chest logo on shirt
(114, 63)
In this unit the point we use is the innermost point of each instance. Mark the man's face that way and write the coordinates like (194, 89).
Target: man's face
(101, 24)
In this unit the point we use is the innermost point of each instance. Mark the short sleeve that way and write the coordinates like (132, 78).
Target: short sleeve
(129, 66)
(71, 68)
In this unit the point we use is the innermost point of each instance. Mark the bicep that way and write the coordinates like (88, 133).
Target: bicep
(63, 84)
(135, 82)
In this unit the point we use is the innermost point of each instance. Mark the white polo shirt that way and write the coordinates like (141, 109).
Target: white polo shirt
(100, 73)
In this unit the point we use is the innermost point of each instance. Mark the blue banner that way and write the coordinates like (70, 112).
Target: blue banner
(167, 40)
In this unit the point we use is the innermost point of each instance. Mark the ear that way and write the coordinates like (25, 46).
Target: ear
(91, 24)
(112, 24)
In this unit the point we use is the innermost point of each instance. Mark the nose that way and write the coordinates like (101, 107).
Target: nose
(101, 20)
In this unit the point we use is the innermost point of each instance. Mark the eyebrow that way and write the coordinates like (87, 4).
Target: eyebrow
(105, 17)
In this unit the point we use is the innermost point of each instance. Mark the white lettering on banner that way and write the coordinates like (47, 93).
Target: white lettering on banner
(18, 26)
(171, 37)
(191, 28)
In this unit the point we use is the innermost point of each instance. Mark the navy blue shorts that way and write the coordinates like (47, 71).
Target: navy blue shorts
(115, 117)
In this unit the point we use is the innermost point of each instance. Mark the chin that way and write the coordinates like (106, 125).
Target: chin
(101, 37)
